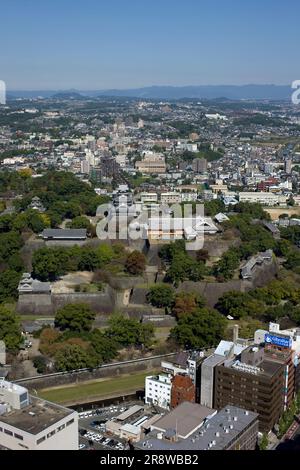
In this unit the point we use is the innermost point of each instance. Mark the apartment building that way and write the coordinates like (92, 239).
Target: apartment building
(158, 390)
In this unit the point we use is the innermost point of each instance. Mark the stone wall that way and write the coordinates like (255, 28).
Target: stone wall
(112, 371)
(212, 291)
(48, 304)
(35, 304)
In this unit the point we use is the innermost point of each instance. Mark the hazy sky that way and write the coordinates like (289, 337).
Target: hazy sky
(100, 44)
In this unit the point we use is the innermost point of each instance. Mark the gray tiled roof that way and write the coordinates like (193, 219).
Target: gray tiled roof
(71, 233)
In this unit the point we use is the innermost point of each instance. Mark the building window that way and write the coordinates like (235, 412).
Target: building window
(51, 433)
(61, 427)
(24, 447)
(70, 422)
(18, 436)
(41, 440)
(8, 432)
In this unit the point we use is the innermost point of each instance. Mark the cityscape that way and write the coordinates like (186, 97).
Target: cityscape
(149, 259)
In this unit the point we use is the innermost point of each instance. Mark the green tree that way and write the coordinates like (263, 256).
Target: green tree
(10, 331)
(88, 260)
(226, 267)
(9, 281)
(40, 363)
(75, 317)
(239, 305)
(72, 357)
(105, 348)
(203, 328)
(186, 303)
(264, 442)
(129, 332)
(81, 222)
(161, 295)
(10, 243)
(49, 263)
(105, 253)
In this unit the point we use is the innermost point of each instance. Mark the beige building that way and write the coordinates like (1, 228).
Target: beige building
(264, 198)
(170, 198)
(152, 163)
(30, 423)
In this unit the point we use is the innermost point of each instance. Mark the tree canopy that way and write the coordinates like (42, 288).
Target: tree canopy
(161, 295)
(202, 328)
(10, 331)
(75, 317)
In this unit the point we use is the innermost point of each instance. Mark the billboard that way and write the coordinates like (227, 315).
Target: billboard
(278, 340)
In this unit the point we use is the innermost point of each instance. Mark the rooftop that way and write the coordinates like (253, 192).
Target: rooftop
(71, 233)
(216, 434)
(187, 417)
(132, 410)
(266, 368)
(35, 417)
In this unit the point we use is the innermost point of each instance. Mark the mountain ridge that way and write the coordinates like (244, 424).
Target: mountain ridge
(232, 92)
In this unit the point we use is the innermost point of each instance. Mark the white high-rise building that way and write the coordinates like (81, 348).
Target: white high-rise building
(158, 390)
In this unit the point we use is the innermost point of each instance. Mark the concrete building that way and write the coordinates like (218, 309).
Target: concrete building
(183, 145)
(85, 167)
(148, 197)
(288, 166)
(185, 419)
(199, 165)
(254, 382)
(158, 390)
(182, 390)
(207, 379)
(264, 198)
(29, 423)
(151, 164)
(170, 198)
(232, 428)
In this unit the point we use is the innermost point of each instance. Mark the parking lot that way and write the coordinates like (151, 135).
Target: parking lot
(92, 429)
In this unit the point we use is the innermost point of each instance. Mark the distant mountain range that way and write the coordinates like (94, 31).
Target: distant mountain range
(231, 92)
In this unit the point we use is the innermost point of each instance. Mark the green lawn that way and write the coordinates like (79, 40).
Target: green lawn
(95, 390)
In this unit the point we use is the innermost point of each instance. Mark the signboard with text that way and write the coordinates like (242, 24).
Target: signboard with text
(278, 340)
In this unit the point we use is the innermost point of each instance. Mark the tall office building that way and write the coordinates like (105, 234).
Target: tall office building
(254, 382)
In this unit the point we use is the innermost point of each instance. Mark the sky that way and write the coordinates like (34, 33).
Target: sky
(106, 44)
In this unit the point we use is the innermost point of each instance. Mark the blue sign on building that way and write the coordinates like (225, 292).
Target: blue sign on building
(278, 340)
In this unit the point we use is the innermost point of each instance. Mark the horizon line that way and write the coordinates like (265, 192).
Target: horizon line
(147, 86)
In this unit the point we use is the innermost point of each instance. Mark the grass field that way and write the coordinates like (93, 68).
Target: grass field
(95, 390)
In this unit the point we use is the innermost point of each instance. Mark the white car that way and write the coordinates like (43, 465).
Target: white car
(81, 446)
